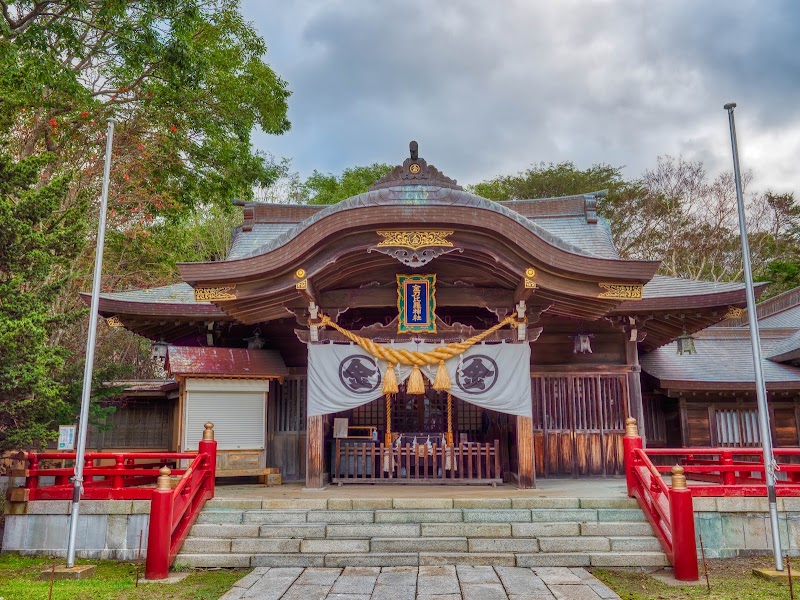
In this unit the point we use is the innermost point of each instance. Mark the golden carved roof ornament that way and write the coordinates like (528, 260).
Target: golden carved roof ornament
(734, 312)
(114, 321)
(205, 294)
(621, 291)
(415, 239)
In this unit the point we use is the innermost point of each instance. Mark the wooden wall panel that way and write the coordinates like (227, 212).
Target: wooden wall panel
(581, 417)
(538, 452)
(525, 474)
(784, 422)
(698, 430)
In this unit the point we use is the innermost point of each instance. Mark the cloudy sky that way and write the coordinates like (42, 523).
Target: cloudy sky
(488, 88)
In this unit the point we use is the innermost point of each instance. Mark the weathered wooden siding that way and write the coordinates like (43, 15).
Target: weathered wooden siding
(286, 428)
(579, 422)
(137, 423)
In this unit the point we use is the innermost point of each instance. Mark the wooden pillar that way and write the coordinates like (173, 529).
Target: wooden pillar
(526, 477)
(635, 407)
(315, 462)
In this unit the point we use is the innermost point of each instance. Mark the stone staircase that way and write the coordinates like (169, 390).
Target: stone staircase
(517, 532)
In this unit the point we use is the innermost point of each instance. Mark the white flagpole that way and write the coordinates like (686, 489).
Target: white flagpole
(755, 340)
(88, 367)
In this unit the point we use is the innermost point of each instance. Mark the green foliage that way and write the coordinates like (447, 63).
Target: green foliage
(38, 241)
(185, 78)
(187, 83)
(327, 188)
(552, 180)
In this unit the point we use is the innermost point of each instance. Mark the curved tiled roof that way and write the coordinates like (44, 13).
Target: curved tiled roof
(419, 195)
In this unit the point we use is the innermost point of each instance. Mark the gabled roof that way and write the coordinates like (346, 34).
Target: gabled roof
(724, 361)
(224, 362)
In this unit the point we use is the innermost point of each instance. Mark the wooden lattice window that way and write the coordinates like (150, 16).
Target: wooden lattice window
(579, 402)
(469, 417)
(737, 427)
(369, 415)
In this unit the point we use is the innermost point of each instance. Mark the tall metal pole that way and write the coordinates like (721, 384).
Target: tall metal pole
(88, 367)
(761, 390)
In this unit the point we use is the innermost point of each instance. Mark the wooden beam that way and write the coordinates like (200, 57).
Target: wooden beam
(315, 465)
(308, 291)
(526, 477)
(524, 291)
(375, 297)
(635, 406)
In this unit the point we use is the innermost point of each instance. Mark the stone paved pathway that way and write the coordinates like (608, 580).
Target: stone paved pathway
(421, 583)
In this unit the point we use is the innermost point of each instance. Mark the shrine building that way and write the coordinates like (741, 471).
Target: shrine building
(418, 333)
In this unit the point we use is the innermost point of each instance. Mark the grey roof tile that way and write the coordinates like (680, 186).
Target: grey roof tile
(721, 357)
(788, 349)
(592, 237)
(245, 242)
(177, 293)
(787, 318)
(662, 286)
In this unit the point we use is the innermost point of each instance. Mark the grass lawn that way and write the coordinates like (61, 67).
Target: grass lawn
(18, 581)
(731, 579)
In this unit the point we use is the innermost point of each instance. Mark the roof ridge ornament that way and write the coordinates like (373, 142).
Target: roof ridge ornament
(415, 171)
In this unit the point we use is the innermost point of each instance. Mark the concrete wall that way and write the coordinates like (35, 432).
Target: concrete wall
(740, 526)
(106, 528)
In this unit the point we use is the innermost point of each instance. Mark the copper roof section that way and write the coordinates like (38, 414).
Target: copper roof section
(184, 361)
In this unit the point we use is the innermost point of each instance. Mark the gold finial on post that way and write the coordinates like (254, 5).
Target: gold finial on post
(163, 483)
(631, 429)
(678, 478)
(208, 432)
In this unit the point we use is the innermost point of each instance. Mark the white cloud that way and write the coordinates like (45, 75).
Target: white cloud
(489, 88)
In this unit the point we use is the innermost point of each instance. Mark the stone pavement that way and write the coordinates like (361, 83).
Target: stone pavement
(421, 583)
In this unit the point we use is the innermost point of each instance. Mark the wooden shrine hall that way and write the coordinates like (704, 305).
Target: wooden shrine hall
(415, 333)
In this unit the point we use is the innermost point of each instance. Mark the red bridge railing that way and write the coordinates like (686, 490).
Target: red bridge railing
(131, 477)
(699, 472)
(669, 509)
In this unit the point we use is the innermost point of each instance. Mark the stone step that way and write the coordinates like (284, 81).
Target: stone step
(417, 503)
(198, 545)
(221, 516)
(337, 559)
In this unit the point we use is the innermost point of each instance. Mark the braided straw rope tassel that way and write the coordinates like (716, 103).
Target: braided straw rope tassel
(411, 357)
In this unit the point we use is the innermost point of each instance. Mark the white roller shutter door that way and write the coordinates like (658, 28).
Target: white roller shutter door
(238, 416)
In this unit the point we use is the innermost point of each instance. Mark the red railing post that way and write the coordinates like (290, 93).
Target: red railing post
(630, 442)
(117, 480)
(209, 446)
(32, 481)
(684, 546)
(728, 477)
(159, 532)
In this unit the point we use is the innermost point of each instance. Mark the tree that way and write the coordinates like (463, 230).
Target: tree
(37, 243)
(185, 78)
(327, 188)
(677, 214)
(552, 180)
(187, 82)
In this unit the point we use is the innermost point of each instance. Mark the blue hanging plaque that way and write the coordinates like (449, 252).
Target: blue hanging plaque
(416, 303)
